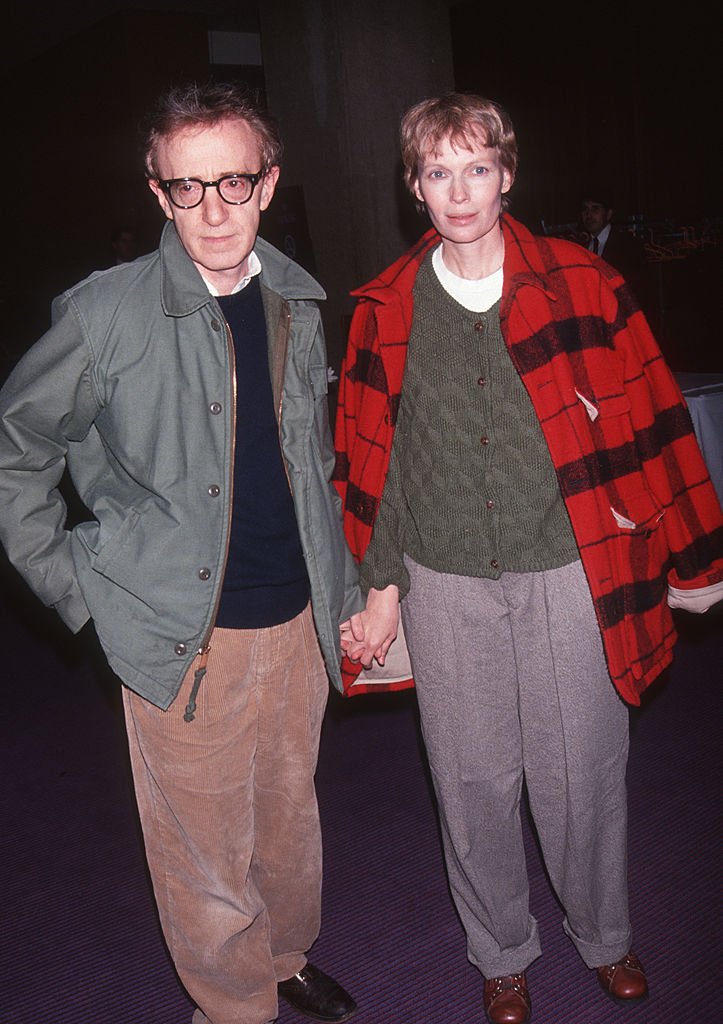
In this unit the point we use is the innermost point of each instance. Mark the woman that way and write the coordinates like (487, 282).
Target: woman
(529, 495)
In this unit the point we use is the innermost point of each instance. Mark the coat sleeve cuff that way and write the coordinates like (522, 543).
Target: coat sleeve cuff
(73, 611)
(698, 600)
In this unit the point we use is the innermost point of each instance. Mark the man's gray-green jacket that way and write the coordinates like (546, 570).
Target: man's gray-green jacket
(134, 388)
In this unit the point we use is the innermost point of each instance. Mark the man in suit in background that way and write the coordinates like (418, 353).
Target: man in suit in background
(618, 247)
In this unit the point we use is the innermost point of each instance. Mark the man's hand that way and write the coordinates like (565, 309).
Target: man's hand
(352, 632)
(377, 628)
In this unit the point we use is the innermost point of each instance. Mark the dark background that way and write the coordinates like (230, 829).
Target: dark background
(627, 99)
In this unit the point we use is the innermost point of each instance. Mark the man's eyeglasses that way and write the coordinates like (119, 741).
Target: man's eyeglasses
(235, 189)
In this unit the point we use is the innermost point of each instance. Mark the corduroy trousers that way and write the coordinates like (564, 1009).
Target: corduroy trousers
(230, 820)
(513, 687)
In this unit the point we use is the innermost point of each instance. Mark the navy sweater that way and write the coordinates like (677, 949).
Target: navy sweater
(266, 581)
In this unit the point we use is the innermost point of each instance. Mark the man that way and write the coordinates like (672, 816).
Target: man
(124, 244)
(186, 392)
(617, 247)
(518, 467)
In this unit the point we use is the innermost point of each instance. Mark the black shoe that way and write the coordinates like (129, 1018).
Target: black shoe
(317, 995)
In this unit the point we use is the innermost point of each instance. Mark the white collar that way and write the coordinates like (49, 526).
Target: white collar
(477, 296)
(603, 237)
(254, 268)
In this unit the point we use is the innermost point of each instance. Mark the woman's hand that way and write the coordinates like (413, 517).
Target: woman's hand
(376, 627)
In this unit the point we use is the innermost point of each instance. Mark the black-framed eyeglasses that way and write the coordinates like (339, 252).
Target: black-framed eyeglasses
(235, 189)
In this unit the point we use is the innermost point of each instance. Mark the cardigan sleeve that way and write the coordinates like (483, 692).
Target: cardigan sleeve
(383, 563)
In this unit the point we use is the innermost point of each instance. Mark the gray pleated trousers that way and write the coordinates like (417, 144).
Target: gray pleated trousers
(513, 686)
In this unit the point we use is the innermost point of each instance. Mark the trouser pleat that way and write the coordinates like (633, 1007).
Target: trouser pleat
(513, 689)
(230, 819)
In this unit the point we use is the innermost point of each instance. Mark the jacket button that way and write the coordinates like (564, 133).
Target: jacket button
(214, 490)
(204, 574)
(215, 408)
(215, 325)
(179, 649)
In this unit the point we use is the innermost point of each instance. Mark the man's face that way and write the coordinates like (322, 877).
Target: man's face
(216, 235)
(594, 216)
(462, 189)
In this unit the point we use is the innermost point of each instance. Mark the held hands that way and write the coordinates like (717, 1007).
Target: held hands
(369, 634)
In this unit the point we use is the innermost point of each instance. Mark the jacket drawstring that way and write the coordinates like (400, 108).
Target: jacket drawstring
(198, 675)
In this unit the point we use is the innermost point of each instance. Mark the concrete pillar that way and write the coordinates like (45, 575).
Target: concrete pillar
(339, 75)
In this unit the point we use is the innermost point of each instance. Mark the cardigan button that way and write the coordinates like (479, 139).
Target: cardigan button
(482, 381)
(484, 440)
(495, 564)
(489, 503)
(479, 325)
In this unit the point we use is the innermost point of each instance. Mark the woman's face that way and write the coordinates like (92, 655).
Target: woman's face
(462, 188)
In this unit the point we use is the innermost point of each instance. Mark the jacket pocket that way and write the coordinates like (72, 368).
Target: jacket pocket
(318, 379)
(109, 552)
(636, 513)
(604, 426)
(640, 565)
(605, 403)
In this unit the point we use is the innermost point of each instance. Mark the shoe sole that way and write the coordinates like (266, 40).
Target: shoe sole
(490, 1021)
(625, 1002)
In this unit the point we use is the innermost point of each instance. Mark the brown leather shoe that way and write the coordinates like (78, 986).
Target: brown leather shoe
(625, 981)
(506, 999)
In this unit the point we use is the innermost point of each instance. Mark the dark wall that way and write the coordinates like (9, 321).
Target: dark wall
(630, 97)
(74, 118)
(632, 102)
(627, 101)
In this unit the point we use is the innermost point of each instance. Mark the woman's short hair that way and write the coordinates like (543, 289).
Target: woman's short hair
(206, 105)
(459, 117)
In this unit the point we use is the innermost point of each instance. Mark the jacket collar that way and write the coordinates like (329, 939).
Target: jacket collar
(398, 279)
(523, 264)
(183, 290)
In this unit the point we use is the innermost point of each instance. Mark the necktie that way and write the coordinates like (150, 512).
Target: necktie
(595, 246)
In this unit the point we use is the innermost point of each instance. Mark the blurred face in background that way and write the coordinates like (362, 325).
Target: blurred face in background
(594, 216)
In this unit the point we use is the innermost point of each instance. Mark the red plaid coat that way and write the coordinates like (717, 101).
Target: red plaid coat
(637, 491)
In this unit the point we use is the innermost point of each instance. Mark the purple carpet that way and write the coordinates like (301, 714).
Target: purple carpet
(80, 942)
